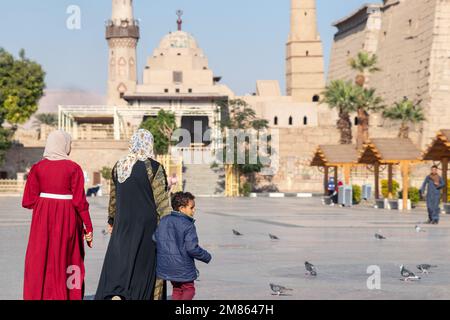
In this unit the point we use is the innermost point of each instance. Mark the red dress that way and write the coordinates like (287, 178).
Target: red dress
(54, 263)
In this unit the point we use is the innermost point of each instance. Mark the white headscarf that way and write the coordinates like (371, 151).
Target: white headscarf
(141, 149)
(58, 146)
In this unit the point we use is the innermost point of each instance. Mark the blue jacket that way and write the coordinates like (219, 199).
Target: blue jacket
(177, 247)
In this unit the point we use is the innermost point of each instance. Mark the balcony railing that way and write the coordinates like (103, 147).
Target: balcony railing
(130, 31)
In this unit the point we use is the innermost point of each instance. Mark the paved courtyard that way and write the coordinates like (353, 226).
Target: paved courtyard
(339, 241)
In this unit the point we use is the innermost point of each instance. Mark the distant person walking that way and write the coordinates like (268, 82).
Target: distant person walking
(54, 263)
(433, 185)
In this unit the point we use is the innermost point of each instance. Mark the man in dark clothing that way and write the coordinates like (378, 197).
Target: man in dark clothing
(177, 247)
(433, 184)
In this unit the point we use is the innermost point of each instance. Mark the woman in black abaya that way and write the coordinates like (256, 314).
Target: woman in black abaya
(139, 198)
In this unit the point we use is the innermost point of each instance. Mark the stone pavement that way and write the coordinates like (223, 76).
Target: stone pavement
(339, 241)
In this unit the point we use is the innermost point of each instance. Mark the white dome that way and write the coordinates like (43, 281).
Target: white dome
(178, 39)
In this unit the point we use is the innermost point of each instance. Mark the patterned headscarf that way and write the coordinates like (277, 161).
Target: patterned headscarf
(58, 146)
(141, 149)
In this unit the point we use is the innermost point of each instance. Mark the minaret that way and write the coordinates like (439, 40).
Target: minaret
(122, 33)
(305, 78)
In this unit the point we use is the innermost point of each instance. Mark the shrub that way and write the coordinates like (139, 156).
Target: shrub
(246, 189)
(414, 195)
(384, 187)
(357, 193)
(106, 173)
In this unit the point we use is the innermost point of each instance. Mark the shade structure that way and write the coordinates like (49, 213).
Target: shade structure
(338, 156)
(390, 151)
(439, 150)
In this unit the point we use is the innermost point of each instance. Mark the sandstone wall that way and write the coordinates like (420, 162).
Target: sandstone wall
(412, 41)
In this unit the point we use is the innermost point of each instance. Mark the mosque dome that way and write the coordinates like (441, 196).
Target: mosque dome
(178, 39)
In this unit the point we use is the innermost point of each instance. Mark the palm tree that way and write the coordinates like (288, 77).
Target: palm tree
(367, 101)
(365, 63)
(407, 112)
(49, 119)
(343, 96)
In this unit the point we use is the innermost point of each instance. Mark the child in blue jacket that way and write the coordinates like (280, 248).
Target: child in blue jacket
(177, 247)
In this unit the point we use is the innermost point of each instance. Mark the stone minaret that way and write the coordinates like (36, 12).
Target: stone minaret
(304, 59)
(122, 33)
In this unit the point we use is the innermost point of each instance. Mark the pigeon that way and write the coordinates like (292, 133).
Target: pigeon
(310, 268)
(379, 236)
(419, 229)
(425, 268)
(407, 275)
(237, 233)
(273, 237)
(279, 290)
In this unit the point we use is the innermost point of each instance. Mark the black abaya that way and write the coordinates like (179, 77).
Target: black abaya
(129, 269)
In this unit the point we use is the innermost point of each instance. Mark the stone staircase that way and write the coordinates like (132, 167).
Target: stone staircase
(202, 180)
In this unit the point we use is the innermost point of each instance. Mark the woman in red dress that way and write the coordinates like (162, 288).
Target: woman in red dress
(54, 263)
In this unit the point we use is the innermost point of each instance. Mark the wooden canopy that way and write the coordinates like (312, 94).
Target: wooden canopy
(389, 150)
(340, 155)
(335, 155)
(439, 150)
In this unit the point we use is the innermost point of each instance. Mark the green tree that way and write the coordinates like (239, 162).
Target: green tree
(365, 63)
(241, 116)
(343, 96)
(21, 87)
(5, 142)
(50, 119)
(407, 113)
(162, 127)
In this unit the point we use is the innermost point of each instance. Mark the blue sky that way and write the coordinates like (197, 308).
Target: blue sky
(243, 39)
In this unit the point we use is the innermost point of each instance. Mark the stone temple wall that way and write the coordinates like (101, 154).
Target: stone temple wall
(413, 47)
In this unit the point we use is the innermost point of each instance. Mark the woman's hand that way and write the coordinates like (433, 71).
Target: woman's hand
(89, 237)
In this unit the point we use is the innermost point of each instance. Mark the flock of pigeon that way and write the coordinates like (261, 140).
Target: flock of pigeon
(277, 289)
(311, 270)
(406, 274)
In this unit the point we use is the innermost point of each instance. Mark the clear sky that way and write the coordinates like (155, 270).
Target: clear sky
(243, 39)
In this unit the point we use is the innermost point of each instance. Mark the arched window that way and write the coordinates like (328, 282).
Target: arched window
(122, 67)
(307, 53)
(305, 120)
(356, 121)
(275, 121)
(316, 98)
(132, 66)
(291, 121)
